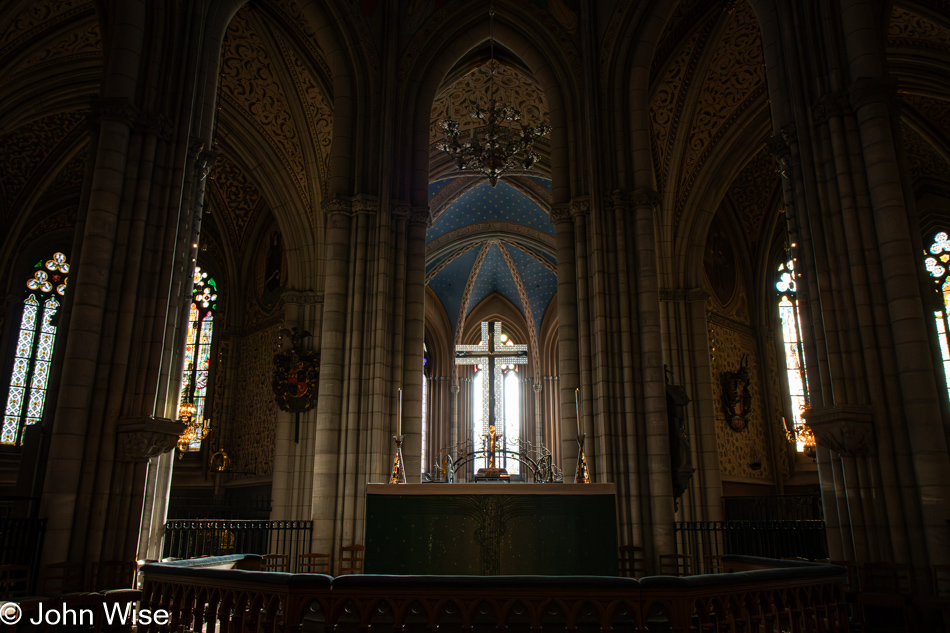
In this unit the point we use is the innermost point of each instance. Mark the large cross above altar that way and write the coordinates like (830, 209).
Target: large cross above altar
(492, 353)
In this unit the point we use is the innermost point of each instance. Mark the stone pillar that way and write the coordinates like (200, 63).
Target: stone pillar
(419, 221)
(330, 404)
(454, 411)
(293, 447)
(687, 355)
(568, 363)
(875, 398)
(654, 385)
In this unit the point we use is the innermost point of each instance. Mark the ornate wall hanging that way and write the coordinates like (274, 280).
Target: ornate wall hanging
(736, 397)
(296, 375)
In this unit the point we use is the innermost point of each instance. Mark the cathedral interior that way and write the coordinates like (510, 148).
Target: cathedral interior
(725, 267)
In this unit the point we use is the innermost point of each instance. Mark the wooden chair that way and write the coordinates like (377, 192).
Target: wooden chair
(631, 562)
(852, 583)
(886, 595)
(60, 578)
(712, 564)
(351, 559)
(313, 563)
(940, 600)
(674, 565)
(113, 574)
(275, 562)
(941, 581)
(14, 581)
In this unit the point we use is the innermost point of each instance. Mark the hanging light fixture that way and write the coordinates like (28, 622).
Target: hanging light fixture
(196, 430)
(501, 141)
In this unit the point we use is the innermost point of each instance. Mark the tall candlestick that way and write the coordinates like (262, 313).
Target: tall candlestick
(577, 410)
(399, 415)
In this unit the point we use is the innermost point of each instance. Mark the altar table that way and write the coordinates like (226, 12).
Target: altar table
(488, 529)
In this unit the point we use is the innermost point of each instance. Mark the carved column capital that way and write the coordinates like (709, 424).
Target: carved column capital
(157, 124)
(843, 428)
(420, 215)
(830, 105)
(117, 109)
(560, 213)
(621, 199)
(646, 197)
(683, 294)
(364, 203)
(580, 207)
(337, 204)
(302, 297)
(144, 437)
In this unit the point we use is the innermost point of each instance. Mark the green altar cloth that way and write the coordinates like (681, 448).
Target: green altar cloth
(488, 529)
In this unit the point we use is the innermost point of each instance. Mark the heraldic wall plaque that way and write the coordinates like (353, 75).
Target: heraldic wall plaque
(296, 376)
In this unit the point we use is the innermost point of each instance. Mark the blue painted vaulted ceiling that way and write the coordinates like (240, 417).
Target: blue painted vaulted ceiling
(495, 221)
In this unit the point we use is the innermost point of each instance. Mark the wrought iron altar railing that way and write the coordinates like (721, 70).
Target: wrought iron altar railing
(536, 464)
(195, 537)
(770, 597)
(704, 541)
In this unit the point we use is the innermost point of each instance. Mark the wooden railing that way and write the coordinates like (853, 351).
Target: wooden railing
(761, 596)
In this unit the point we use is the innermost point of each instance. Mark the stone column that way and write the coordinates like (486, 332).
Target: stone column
(293, 447)
(330, 404)
(687, 355)
(568, 363)
(419, 221)
(875, 398)
(654, 385)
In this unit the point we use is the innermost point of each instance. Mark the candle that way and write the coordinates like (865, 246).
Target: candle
(399, 416)
(577, 410)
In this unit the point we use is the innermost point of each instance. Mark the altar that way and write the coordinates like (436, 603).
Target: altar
(490, 529)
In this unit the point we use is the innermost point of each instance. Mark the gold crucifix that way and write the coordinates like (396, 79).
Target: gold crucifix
(491, 436)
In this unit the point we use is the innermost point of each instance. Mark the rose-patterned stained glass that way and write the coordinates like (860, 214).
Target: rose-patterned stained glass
(937, 265)
(198, 339)
(34, 350)
(794, 354)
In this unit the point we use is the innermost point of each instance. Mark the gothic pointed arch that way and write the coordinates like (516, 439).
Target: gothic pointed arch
(426, 67)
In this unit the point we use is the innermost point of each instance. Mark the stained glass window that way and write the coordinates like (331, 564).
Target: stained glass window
(425, 388)
(792, 345)
(937, 265)
(26, 397)
(198, 339)
(507, 405)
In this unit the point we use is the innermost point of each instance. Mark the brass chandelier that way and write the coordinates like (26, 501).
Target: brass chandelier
(196, 430)
(501, 142)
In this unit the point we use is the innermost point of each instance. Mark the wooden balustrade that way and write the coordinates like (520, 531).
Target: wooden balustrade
(793, 596)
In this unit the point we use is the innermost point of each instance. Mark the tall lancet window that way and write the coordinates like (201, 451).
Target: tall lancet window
(26, 397)
(197, 369)
(794, 354)
(500, 373)
(937, 265)
(425, 390)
